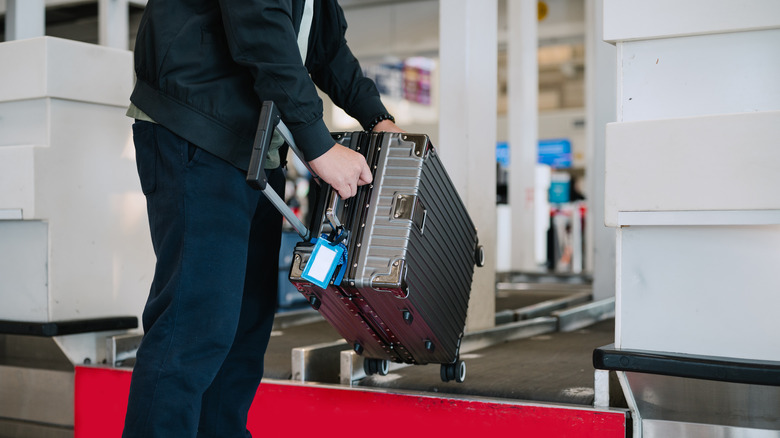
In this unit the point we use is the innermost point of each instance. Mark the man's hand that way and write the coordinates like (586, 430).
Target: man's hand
(345, 169)
(342, 168)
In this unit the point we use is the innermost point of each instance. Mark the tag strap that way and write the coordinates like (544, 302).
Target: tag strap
(342, 267)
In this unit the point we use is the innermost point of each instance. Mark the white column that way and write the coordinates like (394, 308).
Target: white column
(24, 19)
(523, 117)
(467, 129)
(113, 27)
(600, 100)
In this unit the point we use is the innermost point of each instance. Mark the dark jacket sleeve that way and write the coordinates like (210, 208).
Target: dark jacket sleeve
(261, 36)
(338, 73)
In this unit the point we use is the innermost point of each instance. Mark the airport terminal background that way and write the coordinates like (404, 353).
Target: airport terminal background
(618, 157)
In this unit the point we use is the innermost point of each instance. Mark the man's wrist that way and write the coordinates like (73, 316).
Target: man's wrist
(378, 119)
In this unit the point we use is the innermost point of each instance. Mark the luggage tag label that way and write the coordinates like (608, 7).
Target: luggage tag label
(323, 262)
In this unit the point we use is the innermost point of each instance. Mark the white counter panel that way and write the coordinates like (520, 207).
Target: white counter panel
(87, 187)
(55, 67)
(67, 168)
(23, 270)
(724, 162)
(17, 184)
(24, 122)
(626, 20)
(699, 75)
(709, 290)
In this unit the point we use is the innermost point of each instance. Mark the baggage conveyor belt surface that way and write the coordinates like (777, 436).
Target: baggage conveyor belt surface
(513, 300)
(554, 367)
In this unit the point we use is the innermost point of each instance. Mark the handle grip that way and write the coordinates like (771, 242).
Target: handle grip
(331, 210)
(270, 121)
(339, 231)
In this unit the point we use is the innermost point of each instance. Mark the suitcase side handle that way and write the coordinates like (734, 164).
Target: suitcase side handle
(339, 232)
(271, 120)
(331, 210)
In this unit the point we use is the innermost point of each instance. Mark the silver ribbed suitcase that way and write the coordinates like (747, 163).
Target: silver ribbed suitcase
(411, 250)
(411, 254)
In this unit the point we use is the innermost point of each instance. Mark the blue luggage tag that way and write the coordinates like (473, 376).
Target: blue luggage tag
(324, 260)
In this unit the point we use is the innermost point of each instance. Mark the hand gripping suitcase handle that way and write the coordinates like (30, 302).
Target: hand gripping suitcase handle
(338, 231)
(271, 120)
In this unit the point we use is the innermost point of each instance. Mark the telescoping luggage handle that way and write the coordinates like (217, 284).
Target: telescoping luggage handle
(271, 120)
(320, 268)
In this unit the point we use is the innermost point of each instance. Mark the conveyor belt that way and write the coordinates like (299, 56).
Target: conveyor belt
(278, 363)
(554, 278)
(553, 368)
(513, 300)
(305, 333)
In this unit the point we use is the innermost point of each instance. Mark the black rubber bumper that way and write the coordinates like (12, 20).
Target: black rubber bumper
(69, 327)
(721, 369)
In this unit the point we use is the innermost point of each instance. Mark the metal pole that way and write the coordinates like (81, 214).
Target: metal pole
(25, 19)
(286, 212)
(113, 26)
(523, 116)
(467, 129)
(600, 103)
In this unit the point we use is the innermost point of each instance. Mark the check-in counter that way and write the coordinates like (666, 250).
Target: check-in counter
(691, 189)
(75, 257)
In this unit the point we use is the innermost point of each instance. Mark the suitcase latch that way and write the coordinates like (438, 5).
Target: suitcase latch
(409, 207)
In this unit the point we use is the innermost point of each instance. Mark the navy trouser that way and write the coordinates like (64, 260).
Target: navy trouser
(210, 309)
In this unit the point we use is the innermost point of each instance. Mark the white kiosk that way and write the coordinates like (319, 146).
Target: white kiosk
(692, 188)
(75, 257)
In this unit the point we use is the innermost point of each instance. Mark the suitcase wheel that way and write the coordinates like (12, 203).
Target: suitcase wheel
(479, 256)
(453, 371)
(376, 366)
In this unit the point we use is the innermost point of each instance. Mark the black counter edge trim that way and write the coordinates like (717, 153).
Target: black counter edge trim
(722, 369)
(68, 327)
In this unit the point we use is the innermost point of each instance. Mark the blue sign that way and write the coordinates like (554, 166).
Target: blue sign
(502, 154)
(555, 153)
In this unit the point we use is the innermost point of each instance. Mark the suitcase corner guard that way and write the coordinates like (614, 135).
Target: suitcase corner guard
(394, 281)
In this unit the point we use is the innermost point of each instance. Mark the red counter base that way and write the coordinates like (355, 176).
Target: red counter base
(281, 409)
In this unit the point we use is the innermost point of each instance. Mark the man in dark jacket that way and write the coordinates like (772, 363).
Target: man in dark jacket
(203, 67)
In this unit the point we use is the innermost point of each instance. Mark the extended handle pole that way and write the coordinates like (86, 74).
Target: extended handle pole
(270, 120)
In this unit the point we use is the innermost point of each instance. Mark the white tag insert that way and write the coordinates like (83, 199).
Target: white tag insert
(323, 261)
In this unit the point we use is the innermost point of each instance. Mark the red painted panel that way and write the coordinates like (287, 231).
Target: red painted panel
(291, 410)
(100, 402)
(380, 415)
